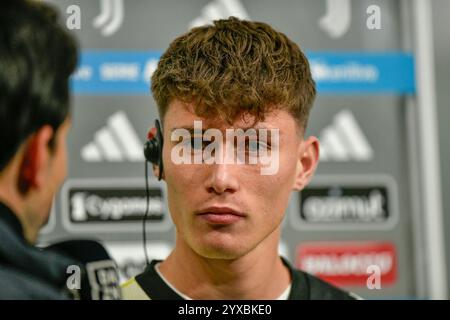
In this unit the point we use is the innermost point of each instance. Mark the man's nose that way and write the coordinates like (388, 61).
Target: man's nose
(222, 175)
(222, 178)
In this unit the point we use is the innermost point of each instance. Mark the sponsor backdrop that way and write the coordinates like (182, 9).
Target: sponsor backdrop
(356, 212)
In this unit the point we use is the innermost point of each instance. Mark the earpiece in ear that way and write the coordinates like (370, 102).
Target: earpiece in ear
(153, 147)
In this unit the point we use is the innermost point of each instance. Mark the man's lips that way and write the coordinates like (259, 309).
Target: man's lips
(220, 215)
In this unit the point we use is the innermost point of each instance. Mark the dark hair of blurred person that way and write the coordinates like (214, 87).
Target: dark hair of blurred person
(37, 57)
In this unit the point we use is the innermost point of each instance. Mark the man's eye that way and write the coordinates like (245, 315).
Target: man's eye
(255, 145)
(198, 144)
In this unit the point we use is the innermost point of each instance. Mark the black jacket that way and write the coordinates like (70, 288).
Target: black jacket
(149, 285)
(25, 271)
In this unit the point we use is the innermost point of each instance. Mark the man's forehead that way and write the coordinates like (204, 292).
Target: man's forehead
(182, 115)
(200, 124)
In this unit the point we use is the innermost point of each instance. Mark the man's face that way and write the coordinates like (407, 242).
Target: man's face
(260, 200)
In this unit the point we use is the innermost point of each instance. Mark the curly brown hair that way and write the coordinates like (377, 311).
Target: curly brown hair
(235, 67)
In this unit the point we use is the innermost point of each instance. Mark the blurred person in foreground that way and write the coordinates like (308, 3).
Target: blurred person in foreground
(37, 57)
(232, 75)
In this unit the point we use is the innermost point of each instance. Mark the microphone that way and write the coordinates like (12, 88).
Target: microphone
(96, 277)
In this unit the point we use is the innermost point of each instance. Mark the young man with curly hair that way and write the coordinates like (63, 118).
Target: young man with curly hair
(232, 75)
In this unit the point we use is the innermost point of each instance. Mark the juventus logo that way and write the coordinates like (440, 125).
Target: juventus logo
(110, 18)
(337, 18)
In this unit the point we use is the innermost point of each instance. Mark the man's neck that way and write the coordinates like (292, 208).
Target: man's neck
(14, 202)
(260, 274)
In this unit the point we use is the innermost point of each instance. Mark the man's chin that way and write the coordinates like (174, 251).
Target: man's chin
(221, 250)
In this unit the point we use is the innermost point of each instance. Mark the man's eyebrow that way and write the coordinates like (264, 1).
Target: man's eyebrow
(256, 127)
(188, 128)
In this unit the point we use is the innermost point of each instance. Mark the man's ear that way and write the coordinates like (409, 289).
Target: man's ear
(308, 159)
(33, 171)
